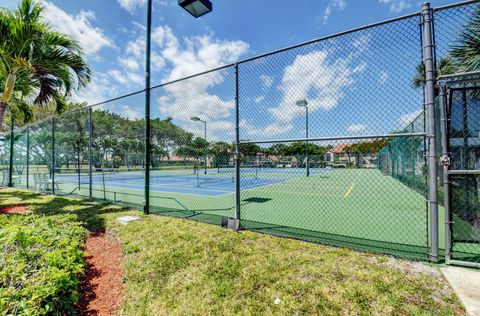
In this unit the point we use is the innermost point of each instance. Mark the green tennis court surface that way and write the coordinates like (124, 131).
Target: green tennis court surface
(359, 208)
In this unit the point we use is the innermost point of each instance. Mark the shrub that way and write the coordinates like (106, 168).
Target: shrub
(41, 259)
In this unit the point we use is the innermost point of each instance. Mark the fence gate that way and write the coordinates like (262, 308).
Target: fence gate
(459, 110)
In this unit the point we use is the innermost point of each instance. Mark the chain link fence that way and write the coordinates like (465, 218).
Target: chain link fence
(325, 141)
(455, 29)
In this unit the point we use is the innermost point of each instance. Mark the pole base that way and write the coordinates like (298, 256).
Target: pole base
(230, 223)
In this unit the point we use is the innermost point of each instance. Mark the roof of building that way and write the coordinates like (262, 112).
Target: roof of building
(339, 149)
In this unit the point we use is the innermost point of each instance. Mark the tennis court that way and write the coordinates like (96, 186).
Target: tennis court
(360, 207)
(213, 182)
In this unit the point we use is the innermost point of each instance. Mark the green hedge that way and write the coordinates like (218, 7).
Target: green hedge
(41, 259)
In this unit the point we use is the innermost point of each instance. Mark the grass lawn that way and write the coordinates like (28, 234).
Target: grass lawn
(178, 267)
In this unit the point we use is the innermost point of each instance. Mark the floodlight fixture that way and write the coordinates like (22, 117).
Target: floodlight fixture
(196, 8)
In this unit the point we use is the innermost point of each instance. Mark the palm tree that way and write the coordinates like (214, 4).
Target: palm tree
(466, 51)
(446, 66)
(37, 63)
(464, 55)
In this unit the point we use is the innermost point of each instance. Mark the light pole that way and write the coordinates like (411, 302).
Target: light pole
(196, 8)
(304, 103)
(197, 119)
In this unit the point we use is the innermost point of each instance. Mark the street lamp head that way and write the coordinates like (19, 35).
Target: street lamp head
(195, 119)
(196, 8)
(303, 103)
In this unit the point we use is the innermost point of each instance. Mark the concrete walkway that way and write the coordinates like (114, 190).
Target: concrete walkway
(466, 284)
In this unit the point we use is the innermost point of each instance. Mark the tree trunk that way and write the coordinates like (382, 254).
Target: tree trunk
(3, 109)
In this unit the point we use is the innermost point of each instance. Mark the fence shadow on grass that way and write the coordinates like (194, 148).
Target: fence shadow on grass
(89, 214)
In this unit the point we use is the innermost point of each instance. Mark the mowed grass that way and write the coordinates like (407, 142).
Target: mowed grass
(181, 267)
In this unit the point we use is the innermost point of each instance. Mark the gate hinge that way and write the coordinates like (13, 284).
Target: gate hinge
(445, 160)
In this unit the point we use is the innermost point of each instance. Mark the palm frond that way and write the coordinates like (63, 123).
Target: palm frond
(61, 104)
(48, 65)
(466, 50)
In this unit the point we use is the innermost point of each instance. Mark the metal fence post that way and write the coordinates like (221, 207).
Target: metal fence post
(445, 163)
(237, 148)
(146, 202)
(90, 153)
(10, 165)
(430, 129)
(53, 156)
(28, 156)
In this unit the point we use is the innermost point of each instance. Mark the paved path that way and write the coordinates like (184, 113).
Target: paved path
(466, 283)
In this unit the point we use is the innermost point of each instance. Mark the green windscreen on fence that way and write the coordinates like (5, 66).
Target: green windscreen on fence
(404, 157)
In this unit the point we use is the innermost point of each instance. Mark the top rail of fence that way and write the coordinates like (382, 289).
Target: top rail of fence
(342, 137)
(454, 5)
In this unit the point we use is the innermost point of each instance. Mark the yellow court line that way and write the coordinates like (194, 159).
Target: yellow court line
(349, 190)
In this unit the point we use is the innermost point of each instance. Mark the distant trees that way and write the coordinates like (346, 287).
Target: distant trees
(369, 147)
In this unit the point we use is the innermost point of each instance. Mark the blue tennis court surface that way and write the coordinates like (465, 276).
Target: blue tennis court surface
(184, 182)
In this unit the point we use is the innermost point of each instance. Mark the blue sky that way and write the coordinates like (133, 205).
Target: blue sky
(363, 92)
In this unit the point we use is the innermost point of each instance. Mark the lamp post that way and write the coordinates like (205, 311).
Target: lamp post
(304, 103)
(196, 8)
(197, 119)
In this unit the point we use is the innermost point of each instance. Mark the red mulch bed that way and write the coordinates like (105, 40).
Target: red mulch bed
(14, 209)
(102, 288)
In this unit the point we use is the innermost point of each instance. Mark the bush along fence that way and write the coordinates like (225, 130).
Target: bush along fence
(334, 141)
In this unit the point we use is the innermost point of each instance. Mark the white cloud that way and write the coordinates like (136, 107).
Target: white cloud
(136, 48)
(267, 81)
(131, 71)
(339, 5)
(135, 78)
(383, 77)
(321, 77)
(315, 77)
(118, 76)
(200, 53)
(409, 117)
(157, 62)
(129, 64)
(362, 43)
(182, 58)
(356, 128)
(133, 5)
(191, 97)
(92, 39)
(396, 6)
(99, 90)
(259, 99)
(129, 113)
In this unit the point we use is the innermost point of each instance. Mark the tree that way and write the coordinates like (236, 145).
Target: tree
(37, 62)
(168, 136)
(249, 149)
(446, 66)
(464, 55)
(369, 147)
(277, 149)
(221, 152)
(196, 149)
(466, 51)
(300, 149)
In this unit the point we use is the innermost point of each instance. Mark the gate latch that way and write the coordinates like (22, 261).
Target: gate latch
(445, 160)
